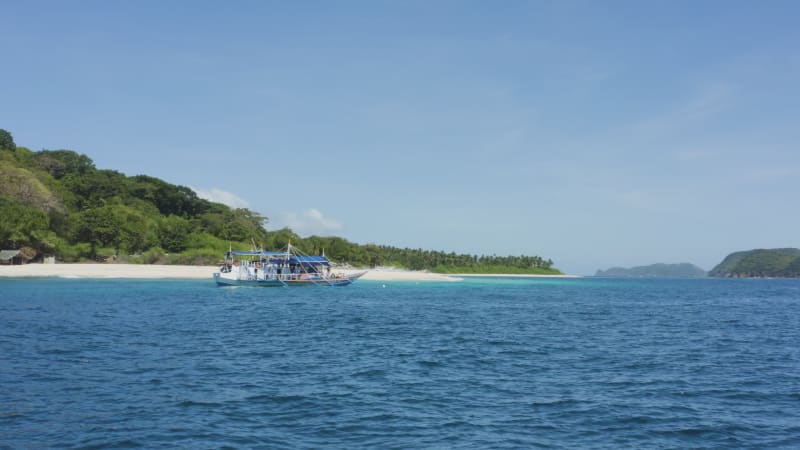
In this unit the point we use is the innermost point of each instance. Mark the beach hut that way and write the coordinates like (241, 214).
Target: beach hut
(12, 257)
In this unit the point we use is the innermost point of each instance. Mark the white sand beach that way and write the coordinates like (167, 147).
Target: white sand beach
(90, 270)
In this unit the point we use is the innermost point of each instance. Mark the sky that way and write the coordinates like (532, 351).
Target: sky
(596, 134)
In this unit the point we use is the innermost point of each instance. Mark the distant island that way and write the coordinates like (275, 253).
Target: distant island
(57, 203)
(659, 270)
(760, 263)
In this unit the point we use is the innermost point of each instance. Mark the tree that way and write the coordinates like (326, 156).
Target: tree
(69, 162)
(7, 141)
(98, 226)
(172, 233)
(21, 224)
(278, 240)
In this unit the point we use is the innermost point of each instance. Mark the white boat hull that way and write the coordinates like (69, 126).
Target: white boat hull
(227, 279)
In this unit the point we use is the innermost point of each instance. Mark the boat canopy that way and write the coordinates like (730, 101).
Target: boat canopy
(305, 261)
(256, 253)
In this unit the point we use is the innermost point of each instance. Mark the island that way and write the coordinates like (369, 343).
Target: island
(760, 263)
(56, 205)
(659, 270)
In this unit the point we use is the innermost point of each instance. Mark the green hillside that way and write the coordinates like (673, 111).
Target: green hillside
(659, 270)
(778, 262)
(56, 202)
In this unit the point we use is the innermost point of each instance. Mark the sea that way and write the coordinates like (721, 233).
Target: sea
(484, 363)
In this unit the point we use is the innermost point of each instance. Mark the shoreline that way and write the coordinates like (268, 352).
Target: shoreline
(156, 271)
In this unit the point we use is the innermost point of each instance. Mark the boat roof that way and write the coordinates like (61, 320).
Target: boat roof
(304, 260)
(281, 257)
(256, 253)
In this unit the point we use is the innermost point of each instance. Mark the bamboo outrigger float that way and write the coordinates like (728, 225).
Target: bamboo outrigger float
(278, 269)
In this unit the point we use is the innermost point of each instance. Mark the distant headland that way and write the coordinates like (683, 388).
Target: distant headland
(760, 263)
(658, 270)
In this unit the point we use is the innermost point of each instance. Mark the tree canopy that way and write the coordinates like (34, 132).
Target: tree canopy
(7, 141)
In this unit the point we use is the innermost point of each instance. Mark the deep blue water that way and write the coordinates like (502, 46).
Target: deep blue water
(479, 364)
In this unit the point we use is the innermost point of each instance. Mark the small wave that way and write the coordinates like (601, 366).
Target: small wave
(59, 351)
(125, 443)
(369, 373)
(454, 424)
(381, 417)
(427, 363)
(192, 403)
(259, 398)
(693, 432)
(288, 398)
(270, 398)
(637, 420)
(555, 402)
(494, 342)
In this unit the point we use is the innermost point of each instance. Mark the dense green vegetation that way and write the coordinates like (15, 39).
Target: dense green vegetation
(56, 202)
(778, 263)
(658, 270)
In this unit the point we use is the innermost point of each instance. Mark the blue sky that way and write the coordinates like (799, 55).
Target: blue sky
(592, 133)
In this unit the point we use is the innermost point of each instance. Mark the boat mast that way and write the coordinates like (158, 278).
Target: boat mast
(288, 257)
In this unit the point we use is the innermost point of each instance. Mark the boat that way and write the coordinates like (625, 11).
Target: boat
(279, 269)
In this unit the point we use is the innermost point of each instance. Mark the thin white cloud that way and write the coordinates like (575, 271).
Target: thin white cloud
(773, 174)
(224, 197)
(695, 155)
(694, 111)
(709, 102)
(656, 201)
(307, 223)
(635, 199)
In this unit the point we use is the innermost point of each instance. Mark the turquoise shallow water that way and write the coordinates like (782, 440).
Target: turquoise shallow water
(486, 363)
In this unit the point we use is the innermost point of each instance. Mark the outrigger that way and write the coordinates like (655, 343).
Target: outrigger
(279, 269)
